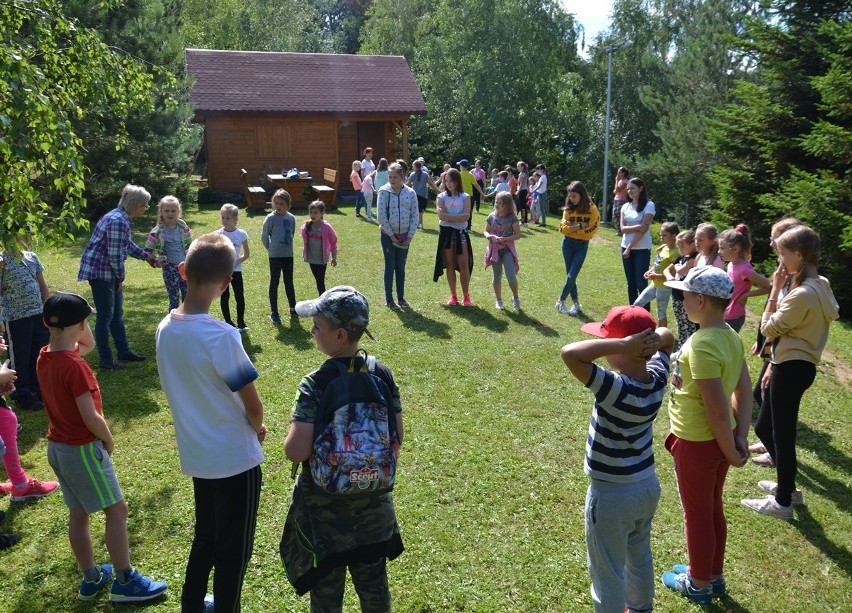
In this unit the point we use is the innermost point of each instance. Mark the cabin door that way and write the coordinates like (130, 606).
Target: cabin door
(371, 134)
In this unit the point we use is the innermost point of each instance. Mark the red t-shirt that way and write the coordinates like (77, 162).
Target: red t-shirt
(63, 376)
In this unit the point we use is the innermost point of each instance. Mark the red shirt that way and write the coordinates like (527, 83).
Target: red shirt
(63, 376)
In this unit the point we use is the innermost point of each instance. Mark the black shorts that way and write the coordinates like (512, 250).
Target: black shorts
(422, 203)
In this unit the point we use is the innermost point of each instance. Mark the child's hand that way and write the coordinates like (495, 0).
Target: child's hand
(334, 262)
(261, 435)
(647, 274)
(642, 344)
(3, 346)
(755, 349)
(7, 375)
(626, 254)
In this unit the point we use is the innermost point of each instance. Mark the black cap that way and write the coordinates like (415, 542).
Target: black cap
(65, 309)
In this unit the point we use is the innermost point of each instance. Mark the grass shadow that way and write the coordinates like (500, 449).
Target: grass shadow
(290, 332)
(521, 317)
(820, 444)
(417, 322)
(813, 531)
(829, 488)
(478, 316)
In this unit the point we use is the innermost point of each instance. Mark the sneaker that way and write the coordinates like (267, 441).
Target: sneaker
(89, 589)
(498, 305)
(453, 301)
(757, 448)
(403, 303)
(243, 328)
(771, 487)
(575, 310)
(393, 306)
(718, 584)
(275, 318)
(561, 308)
(131, 356)
(768, 506)
(33, 489)
(8, 540)
(466, 300)
(138, 588)
(357, 214)
(208, 604)
(516, 303)
(764, 459)
(681, 582)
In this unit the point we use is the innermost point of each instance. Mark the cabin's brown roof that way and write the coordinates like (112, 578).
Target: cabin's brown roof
(302, 83)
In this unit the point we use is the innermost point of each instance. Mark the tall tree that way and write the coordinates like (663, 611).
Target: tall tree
(784, 142)
(56, 74)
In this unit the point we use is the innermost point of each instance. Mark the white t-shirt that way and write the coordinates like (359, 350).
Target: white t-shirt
(202, 366)
(367, 167)
(237, 237)
(632, 217)
(541, 186)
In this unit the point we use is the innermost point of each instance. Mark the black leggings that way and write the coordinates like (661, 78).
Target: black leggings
(778, 418)
(318, 271)
(281, 268)
(239, 298)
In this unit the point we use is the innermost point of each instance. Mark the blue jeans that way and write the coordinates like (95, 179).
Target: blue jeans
(634, 270)
(359, 202)
(109, 305)
(574, 252)
(395, 259)
(618, 543)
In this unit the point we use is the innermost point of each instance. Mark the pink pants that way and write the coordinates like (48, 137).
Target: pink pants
(9, 434)
(701, 468)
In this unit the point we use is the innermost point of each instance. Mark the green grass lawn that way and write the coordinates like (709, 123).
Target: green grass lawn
(491, 489)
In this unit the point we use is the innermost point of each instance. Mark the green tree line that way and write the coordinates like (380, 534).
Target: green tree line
(731, 110)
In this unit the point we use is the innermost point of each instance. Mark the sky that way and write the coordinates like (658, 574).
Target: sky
(593, 14)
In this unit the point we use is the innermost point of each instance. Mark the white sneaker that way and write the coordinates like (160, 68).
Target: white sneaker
(757, 447)
(560, 306)
(768, 506)
(516, 303)
(575, 310)
(771, 487)
(498, 305)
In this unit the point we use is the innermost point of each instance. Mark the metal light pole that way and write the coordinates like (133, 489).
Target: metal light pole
(609, 49)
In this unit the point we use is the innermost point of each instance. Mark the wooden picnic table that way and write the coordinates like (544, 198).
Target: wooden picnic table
(295, 187)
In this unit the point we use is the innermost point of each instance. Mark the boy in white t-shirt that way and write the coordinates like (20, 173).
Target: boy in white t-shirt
(209, 382)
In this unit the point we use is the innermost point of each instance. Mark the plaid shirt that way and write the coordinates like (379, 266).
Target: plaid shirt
(110, 244)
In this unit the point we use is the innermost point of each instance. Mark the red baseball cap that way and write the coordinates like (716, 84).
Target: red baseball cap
(621, 322)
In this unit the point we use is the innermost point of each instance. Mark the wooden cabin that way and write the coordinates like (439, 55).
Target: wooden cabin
(268, 112)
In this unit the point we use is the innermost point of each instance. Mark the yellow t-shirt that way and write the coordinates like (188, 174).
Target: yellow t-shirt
(709, 353)
(467, 182)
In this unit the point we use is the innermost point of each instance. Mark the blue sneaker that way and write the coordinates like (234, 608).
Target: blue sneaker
(681, 582)
(138, 588)
(718, 584)
(208, 604)
(89, 589)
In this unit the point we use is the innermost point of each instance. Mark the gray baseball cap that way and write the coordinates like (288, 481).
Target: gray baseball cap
(343, 306)
(707, 280)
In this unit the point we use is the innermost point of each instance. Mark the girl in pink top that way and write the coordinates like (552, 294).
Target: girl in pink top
(735, 248)
(355, 178)
(619, 194)
(320, 243)
(478, 173)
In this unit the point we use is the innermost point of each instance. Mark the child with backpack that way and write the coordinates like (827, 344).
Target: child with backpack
(342, 515)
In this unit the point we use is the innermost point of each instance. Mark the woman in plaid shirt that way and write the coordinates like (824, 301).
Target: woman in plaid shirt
(102, 265)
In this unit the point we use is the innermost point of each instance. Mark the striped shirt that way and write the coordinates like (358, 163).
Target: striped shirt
(619, 447)
(110, 244)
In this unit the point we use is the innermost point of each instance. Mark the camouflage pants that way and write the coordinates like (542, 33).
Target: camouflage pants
(371, 585)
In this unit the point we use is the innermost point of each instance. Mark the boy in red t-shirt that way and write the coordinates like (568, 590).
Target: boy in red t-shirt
(79, 448)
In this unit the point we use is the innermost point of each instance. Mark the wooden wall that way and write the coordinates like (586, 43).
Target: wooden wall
(269, 144)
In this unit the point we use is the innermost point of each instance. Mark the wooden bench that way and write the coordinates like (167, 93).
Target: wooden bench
(327, 192)
(254, 195)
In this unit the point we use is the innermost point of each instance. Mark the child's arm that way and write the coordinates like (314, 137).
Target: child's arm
(264, 233)
(716, 406)
(579, 356)
(762, 283)
(299, 444)
(332, 244)
(94, 421)
(245, 250)
(685, 267)
(399, 428)
(742, 400)
(254, 409)
(7, 376)
(86, 342)
(42, 287)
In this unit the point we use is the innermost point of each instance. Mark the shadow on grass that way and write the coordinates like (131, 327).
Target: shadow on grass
(520, 317)
(829, 488)
(730, 605)
(290, 332)
(418, 322)
(820, 444)
(478, 316)
(813, 531)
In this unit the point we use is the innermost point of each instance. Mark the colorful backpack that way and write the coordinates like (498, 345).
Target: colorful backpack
(357, 443)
